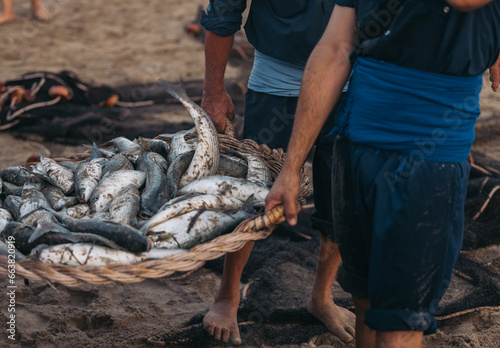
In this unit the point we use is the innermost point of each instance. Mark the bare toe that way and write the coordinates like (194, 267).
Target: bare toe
(221, 322)
(339, 321)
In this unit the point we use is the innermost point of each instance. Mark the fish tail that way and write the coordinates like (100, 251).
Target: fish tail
(175, 90)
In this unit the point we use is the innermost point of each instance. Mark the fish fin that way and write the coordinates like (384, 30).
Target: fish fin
(175, 90)
(248, 205)
(44, 228)
(95, 152)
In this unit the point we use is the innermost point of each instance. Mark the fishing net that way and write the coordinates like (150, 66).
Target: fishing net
(34, 96)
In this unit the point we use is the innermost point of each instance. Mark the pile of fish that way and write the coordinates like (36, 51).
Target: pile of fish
(133, 201)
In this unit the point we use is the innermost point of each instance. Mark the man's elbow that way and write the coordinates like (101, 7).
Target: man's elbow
(467, 5)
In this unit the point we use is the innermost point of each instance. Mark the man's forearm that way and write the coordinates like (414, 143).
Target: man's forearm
(217, 49)
(326, 73)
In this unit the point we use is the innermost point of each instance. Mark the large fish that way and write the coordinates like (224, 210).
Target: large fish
(197, 227)
(156, 191)
(207, 201)
(225, 185)
(28, 237)
(95, 255)
(125, 236)
(178, 167)
(206, 158)
(111, 184)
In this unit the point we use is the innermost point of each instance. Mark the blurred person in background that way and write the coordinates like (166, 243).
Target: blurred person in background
(38, 11)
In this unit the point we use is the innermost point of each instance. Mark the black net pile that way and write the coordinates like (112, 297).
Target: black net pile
(482, 208)
(35, 102)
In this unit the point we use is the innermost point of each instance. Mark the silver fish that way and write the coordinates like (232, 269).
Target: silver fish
(111, 184)
(123, 235)
(207, 201)
(61, 176)
(258, 171)
(206, 158)
(156, 191)
(95, 255)
(124, 144)
(179, 146)
(226, 185)
(197, 227)
(32, 199)
(87, 177)
(177, 167)
(125, 206)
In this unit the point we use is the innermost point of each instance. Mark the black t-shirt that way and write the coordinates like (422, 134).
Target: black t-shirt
(428, 35)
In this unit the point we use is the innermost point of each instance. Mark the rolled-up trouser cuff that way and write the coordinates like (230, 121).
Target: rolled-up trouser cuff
(400, 320)
(352, 283)
(325, 227)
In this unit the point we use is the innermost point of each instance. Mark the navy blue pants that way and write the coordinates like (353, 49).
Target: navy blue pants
(269, 120)
(399, 225)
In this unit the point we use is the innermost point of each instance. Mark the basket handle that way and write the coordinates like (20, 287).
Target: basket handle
(229, 129)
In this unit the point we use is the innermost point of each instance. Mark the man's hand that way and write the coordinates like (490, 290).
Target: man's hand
(285, 191)
(495, 75)
(218, 108)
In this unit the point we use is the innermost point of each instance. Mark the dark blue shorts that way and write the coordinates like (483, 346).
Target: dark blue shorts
(399, 225)
(269, 120)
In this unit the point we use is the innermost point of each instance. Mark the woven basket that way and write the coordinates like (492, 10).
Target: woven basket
(252, 229)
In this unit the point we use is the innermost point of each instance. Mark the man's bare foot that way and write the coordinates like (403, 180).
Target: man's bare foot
(339, 321)
(7, 17)
(41, 14)
(221, 321)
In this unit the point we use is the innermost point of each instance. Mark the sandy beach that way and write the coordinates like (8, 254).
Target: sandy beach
(135, 42)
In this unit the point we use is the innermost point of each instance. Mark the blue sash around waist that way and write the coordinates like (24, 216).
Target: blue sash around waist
(426, 115)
